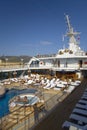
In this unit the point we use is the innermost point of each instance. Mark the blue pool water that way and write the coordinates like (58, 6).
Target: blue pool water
(4, 109)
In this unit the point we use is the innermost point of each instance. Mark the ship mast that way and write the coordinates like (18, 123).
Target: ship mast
(71, 34)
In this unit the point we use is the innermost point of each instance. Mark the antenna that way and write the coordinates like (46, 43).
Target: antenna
(71, 32)
(68, 22)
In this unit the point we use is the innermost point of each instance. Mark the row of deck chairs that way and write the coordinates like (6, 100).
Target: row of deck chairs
(58, 84)
(78, 117)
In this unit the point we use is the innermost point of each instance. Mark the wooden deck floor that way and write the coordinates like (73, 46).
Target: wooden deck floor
(62, 111)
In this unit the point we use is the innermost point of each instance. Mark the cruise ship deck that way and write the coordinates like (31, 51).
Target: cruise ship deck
(56, 118)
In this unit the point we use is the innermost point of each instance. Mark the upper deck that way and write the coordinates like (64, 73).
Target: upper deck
(12, 67)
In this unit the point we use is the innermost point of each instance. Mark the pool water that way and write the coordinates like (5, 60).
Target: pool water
(4, 108)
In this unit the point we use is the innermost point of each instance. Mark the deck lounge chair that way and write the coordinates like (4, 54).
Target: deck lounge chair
(82, 101)
(81, 106)
(78, 81)
(51, 86)
(80, 111)
(78, 118)
(60, 85)
(70, 89)
(57, 88)
(47, 86)
(74, 84)
(84, 97)
(68, 124)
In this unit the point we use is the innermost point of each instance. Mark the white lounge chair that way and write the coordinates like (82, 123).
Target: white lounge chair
(80, 111)
(57, 88)
(78, 118)
(43, 82)
(60, 85)
(64, 82)
(78, 82)
(84, 97)
(68, 124)
(51, 86)
(47, 86)
(81, 106)
(82, 101)
(74, 84)
(29, 82)
(70, 89)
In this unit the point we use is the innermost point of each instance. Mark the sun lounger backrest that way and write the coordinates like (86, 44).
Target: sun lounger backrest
(83, 101)
(81, 106)
(78, 118)
(67, 124)
(80, 111)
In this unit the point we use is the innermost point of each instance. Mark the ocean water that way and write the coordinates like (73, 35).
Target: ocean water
(4, 108)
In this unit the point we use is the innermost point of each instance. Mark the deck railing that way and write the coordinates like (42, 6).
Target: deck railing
(27, 121)
(55, 67)
(36, 66)
(4, 67)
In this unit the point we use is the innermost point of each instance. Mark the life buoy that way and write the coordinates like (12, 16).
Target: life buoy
(41, 63)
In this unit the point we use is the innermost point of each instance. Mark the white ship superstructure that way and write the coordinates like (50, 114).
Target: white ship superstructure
(67, 60)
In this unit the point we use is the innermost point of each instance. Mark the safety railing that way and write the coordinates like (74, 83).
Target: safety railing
(26, 118)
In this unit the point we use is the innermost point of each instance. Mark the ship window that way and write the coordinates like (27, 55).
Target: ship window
(80, 63)
(66, 64)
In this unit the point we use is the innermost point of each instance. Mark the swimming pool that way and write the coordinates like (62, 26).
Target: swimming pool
(23, 100)
(4, 108)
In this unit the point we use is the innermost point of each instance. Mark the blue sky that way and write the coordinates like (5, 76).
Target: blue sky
(31, 27)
